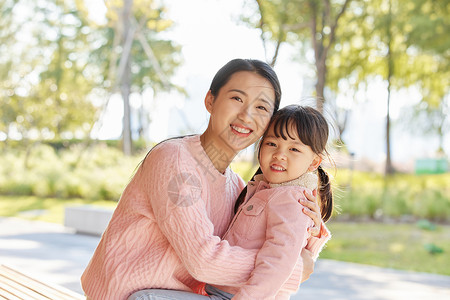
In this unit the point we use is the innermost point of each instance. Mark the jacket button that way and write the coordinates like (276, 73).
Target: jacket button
(250, 207)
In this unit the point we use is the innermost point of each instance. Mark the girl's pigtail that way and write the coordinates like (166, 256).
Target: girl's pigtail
(242, 195)
(325, 194)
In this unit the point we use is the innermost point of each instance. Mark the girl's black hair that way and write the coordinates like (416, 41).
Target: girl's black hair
(311, 127)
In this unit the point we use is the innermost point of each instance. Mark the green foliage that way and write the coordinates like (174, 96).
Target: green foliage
(398, 246)
(245, 169)
(399, 196)
(426, 225)
(98, 172)
(102, 172)
(58, 66)
(433, 249)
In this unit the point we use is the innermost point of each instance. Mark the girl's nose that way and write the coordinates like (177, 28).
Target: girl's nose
(279, 154)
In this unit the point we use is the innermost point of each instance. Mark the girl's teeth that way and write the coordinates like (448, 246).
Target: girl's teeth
(278, 168)
(240, 129)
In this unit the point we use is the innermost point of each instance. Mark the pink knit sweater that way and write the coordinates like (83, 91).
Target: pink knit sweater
(165, 230)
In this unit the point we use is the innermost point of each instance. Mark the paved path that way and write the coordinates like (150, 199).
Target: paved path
(55, 254)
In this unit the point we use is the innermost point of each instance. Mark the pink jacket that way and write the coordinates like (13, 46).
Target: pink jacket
(271, 219)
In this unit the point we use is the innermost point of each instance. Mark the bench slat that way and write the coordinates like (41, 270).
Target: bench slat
(5, 294)
(25, 287)
(20, 289)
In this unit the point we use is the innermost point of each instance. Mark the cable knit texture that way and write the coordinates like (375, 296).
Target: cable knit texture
(271, 219)
(165, 230)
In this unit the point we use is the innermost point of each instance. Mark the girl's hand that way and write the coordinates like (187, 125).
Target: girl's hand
(312, 210)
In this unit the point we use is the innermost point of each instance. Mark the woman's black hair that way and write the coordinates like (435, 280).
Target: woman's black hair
(233, 66)
(311, 127)
(251, 65)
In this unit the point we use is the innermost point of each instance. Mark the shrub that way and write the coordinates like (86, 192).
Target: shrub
(102, 172)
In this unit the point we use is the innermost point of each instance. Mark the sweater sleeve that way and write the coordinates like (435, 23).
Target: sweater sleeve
(316, 244)
(175, 190)
(286, 235)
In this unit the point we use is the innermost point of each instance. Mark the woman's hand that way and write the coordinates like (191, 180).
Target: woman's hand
(312, 210)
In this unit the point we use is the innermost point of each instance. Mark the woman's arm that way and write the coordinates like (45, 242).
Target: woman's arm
(181, 214)
(319, 233)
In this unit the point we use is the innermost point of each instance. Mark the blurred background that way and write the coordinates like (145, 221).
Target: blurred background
(88, 87)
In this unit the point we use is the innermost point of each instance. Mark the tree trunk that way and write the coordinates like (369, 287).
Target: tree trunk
(125, 80)
(320, 84)
(389, 169)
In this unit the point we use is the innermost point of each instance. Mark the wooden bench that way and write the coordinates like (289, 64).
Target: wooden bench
(16, 285)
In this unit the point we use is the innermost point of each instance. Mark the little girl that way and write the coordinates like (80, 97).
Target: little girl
(270, 217)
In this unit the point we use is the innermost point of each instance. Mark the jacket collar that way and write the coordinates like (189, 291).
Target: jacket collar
(308, 180)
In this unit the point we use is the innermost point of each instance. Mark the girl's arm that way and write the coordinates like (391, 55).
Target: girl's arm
(286, 235)
(181, 215)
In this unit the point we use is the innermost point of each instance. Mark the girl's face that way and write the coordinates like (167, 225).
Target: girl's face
(240, 112)
(284, 160)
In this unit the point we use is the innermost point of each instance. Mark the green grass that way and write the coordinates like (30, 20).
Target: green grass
(398, 246)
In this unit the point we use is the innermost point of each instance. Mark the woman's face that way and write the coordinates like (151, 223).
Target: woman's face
(241, 110)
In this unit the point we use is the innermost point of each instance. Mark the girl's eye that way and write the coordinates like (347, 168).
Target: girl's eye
(237, 98)
(262, 108)
(295, 150)
(271, 144)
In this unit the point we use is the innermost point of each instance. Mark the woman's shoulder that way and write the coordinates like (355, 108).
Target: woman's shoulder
(171, 150)
(177, 143)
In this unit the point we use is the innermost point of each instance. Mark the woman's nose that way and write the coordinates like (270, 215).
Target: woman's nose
(245, 115)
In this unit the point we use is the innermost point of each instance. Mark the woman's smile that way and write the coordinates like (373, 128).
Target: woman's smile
(241, 130)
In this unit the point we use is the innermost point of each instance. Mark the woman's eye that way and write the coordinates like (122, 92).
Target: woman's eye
(262, 108)
(237, 98)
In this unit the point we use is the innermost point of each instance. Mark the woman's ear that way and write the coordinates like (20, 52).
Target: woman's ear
(315, 163)
(209, 99)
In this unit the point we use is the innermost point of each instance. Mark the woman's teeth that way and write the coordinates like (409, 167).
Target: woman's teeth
(240, 129)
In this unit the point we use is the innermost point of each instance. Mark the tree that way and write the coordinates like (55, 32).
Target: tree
(8, 111)
(429, 41)
(396, 41)
(56, 63)
(46, 84)
(133, 56)
(310, 22)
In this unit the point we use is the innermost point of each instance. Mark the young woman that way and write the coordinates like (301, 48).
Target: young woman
(165, 232)
(270, 218)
